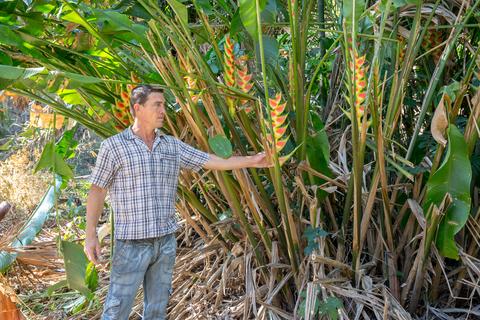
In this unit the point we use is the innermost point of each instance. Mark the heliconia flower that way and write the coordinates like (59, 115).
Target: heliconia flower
(126, 120)
(229, 59)
(244, 83)
(125, 96)
(278, 120)
(118, 114)
(120, 105)
(229, 71)
(359, 69)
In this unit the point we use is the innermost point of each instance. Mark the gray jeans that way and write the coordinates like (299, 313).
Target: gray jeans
(147, 261)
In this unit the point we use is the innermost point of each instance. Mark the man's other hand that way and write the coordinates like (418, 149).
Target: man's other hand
(92, 249)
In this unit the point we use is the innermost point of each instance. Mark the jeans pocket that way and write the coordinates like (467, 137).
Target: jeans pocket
(170, 245)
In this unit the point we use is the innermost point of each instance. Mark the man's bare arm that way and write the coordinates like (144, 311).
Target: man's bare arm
(95, 202)
(257, 161)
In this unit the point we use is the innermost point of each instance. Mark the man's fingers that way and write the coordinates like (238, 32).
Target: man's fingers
(97, 251)
(91, 255)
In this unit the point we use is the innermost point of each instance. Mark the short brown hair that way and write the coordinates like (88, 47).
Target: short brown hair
(140, 95)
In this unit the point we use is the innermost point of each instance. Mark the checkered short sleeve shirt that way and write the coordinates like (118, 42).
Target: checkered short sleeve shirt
(143, 183)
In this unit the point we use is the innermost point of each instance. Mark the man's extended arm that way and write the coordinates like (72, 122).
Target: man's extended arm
(257, 161)
(95, 201)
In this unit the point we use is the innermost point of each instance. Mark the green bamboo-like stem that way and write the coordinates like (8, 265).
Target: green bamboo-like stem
(357, 145)
(399, 83)
(289, 227)
(237, 208)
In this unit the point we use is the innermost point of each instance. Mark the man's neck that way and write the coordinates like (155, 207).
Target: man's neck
(144, 133)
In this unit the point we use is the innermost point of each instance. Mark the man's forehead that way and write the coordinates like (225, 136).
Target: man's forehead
(156, 96)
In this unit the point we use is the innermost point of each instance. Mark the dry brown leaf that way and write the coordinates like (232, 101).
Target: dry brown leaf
(440, 121)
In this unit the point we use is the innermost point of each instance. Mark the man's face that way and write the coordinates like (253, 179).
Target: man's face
(152, 112)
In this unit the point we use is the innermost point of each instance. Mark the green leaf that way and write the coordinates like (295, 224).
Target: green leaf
(91, 277)
(205, 5)
(248, 14)
(54, 287)
(330, 307)
(312, 234)
(269, 14)
(75, 266)
(399, 3)
(62, 168)
(65, 147)
(17, 73)
(180, 10)
(236, 24)
(221, 146)
(75, 77)
(47, 157)
(7, 145)
(454, 177)
(270, 50)
(71, 96)
(70, 14)
(318, 153)
(5, 59)
(9, 37)
(352, 10)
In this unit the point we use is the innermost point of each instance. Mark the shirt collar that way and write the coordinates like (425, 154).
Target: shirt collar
(130, 135)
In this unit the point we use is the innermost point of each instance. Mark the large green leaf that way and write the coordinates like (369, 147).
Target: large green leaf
(248, 14)
(221, 146)
(453, 177)
(270, 50)
(18, 73)
(180, 10)
(75, 266)
(318, 153)
(352, 10)
(8, 37)
(50, 159)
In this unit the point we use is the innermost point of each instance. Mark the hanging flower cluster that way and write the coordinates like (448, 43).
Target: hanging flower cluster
(191, 82)
(121, 111)
(244, 80)
(278, 123)
(235, 74)
(229, 71)
(358, 70)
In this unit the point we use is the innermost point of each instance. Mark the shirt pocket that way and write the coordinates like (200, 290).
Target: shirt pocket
(166, 175)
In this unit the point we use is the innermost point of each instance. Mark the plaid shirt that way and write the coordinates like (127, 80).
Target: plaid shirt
(143, 183)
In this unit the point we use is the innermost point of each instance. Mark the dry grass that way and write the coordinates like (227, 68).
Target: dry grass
(20, 186)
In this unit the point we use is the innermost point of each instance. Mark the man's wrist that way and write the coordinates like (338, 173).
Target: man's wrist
(91, 232)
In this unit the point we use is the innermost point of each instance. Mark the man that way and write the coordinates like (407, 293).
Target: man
(140, 167)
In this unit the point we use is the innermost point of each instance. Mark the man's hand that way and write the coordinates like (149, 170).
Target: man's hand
(92, 249)
(261, 160)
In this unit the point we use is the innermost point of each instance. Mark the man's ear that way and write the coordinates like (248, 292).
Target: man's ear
(136, 107)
